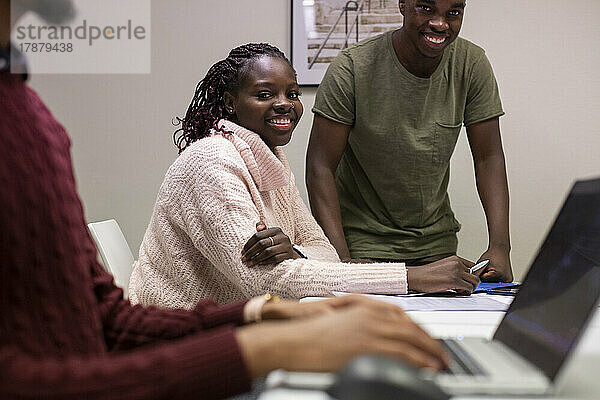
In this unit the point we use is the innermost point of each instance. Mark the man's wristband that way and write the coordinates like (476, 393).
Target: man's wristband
(253, 309)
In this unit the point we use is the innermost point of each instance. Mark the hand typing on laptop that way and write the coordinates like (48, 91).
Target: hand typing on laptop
(328, 341)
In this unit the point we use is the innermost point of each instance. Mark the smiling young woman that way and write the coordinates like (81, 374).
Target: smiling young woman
(267, 101)
(229, 222)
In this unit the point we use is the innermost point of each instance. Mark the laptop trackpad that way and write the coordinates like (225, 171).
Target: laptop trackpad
(481, 366)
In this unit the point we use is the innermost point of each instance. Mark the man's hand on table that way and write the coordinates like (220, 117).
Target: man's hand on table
(499, 268)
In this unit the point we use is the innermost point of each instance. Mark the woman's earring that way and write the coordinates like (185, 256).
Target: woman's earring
(230, 110)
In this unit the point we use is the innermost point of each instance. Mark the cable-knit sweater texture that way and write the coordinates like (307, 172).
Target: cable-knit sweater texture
(207, 208)
(65, 330)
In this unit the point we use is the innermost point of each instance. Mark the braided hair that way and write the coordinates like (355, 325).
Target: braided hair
(208, 107)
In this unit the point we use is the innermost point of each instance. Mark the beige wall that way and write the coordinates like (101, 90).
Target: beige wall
(544, 53)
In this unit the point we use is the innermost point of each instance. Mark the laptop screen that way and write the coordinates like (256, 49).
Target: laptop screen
(561, 289)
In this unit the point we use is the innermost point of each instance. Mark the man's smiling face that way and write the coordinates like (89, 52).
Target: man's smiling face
(431, 25)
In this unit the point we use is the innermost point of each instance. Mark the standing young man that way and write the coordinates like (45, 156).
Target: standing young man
(387, 118)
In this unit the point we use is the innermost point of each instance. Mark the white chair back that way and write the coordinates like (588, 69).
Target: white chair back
(114, 251)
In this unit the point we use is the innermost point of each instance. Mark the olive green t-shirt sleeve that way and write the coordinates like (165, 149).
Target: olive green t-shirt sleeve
(483, 96)
(335, 96)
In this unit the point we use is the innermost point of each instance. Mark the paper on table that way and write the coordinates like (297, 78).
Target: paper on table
(422, 303)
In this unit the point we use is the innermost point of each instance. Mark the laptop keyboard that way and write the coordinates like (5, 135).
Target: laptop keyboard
(462, 363)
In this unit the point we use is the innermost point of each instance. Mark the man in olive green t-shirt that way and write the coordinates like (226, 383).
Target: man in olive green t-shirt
(387, 117)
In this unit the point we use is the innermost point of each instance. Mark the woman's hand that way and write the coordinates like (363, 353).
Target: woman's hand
(328, 341)
(267, 246)
(450, 273)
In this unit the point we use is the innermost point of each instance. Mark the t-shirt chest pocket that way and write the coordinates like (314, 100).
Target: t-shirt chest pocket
(445, 137)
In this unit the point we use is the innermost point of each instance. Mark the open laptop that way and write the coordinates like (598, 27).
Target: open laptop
(548, 315)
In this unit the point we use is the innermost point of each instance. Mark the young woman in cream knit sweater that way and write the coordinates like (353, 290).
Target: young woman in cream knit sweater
(231, 175)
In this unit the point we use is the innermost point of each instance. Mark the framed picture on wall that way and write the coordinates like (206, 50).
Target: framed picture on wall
(322, 28)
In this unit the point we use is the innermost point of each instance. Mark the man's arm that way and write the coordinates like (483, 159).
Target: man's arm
(325, 148)
(492, 186)
(209, 365)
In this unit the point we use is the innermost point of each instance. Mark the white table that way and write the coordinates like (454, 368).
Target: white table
(579, 377)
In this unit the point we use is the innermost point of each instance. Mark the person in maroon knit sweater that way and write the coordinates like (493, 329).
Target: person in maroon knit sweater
(67, 333)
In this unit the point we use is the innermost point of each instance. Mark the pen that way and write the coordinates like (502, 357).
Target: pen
(478, 266)
(502, 292)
